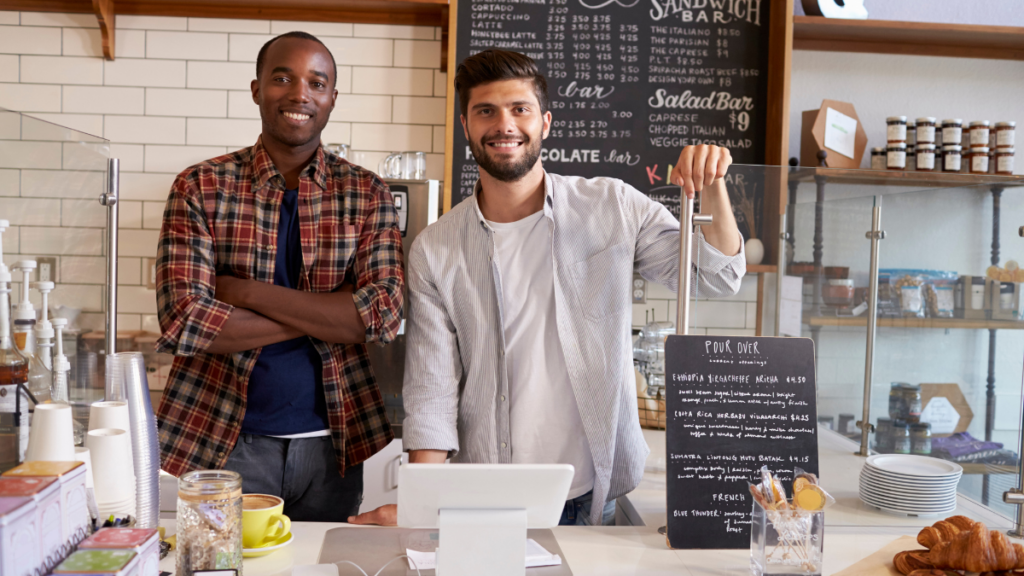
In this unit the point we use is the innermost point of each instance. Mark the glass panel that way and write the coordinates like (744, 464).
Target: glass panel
(51, 178)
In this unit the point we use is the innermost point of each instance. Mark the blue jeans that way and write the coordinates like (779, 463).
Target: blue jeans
(577, 512)
(302, 472)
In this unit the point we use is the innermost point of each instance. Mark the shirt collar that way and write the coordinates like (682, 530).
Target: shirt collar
(264, 170)
(549, 201)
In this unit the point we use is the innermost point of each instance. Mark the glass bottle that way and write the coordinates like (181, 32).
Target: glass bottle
(14, 404)
(40, 377)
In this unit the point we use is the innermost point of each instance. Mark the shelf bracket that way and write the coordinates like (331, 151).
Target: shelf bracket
(104, 10)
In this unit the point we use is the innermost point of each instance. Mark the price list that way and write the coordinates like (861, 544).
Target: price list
(631, 83)
(733, 405)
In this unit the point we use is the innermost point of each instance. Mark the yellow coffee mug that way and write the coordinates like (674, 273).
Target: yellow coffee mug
(263, 524)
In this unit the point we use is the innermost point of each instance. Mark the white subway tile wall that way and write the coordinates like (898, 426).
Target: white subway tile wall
(176, 94)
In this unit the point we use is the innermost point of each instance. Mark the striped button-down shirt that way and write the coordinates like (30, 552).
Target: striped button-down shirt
(456, 378)
(222, 218)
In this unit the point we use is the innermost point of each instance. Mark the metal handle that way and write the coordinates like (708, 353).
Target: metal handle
(109, 199)
(875, 235)
(686, 232)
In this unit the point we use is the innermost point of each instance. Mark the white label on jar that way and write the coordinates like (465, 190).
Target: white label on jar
(926, 134)
(878, 163)
(952, 163)
(1005, 138)
(977, 296)
(952, 135)
(926, 160)
(896, 132)
(979, 136)
(1004, 164)
(896, 159)
(1006, 300)
(979, 163)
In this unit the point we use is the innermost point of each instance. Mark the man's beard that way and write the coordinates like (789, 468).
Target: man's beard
(508, 171)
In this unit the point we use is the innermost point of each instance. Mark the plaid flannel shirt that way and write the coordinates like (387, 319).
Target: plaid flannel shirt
(222, 218)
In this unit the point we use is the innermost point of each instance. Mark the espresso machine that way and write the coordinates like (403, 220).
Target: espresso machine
(418, 203)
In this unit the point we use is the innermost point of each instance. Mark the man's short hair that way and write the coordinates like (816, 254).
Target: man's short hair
(494, 65)
(303, 35)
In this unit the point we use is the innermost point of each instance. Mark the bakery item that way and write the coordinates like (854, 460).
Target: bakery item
(944, 530)
(978, 550)
(911, 560)
(930, 572)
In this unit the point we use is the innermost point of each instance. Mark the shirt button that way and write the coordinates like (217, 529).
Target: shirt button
(503, 444)
(502, 398)
(221, 454)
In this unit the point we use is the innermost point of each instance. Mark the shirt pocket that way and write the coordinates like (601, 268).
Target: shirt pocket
(602, 281)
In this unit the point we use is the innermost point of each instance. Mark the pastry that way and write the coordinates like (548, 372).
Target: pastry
(978, 550)
(930, 572)
(911, 560)
(944, 530)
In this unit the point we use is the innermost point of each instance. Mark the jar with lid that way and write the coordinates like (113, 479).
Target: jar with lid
(976, 300)
(921, 438)
(209, 522)
(900, 437)
(883, 435)
(1004, 161)
(1005, 134)
(896, 129)
(896, 156)
(911, 132)
(897, 401)
(911, 157)
(839, 293)
(926, 130)
(952, 130)
(912, 401)
(951, 158)
(977, 160)
(979, 133)
(878, 158)
(926, 157)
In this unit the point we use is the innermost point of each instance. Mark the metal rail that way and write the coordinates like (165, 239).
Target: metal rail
(686, 232)
(876, 234)
(109, 199)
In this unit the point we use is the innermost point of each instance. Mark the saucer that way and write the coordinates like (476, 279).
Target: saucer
(257, 552)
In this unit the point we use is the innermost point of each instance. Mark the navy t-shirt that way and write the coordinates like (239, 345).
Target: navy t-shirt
(286, 388)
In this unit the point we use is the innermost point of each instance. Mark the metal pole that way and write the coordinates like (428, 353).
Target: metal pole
(686, 224)
(875, 235)
(109, 199)
(780, 272)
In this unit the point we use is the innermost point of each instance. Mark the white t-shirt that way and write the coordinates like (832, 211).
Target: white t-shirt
(545, 418)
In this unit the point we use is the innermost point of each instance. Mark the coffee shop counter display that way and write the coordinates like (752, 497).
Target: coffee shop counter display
(853, 531)
(73, 496)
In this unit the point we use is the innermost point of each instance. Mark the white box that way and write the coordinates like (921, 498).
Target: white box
(19, 531)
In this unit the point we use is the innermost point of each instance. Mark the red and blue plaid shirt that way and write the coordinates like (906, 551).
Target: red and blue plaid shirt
(222, 218)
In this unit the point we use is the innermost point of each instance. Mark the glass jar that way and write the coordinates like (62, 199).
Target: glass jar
(1005, 134)
(209, 522)
(926, 157)
(1004, 161)
(977, 159)
(912, 157)
(912, 401)
(883, 435)
(926, 130)
(878, 158)
(897, 401)
(896, 129)
(896, 156)
(977, 296)
(979, 133)
(921, 438)
(839, 293)
(952, 130)
(911, 132)
(951, 159)
(900, 437)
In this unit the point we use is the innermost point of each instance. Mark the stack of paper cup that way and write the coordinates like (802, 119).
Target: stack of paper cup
(51, 436)
(82, 455)
(113, 474)
(111, 415)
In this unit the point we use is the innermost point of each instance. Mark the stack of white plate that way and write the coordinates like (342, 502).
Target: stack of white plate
(910, 485)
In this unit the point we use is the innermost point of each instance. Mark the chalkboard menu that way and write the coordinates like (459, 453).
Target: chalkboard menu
(631, 82)
(733, 404)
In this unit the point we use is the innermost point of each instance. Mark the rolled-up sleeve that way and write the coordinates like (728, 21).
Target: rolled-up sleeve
(186, 278)
(433, 368)
(378, 266)
(657, 251)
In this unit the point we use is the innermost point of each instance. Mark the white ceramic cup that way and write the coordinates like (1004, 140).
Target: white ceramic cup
(83, 455)
(113, 474)
(51, 436)
(109, 414)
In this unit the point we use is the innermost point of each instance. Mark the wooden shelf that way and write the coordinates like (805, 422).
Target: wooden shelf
(409, 12)
(902, 178)
(762, 268)
(988, 469)
(913, 38)
(942, 323)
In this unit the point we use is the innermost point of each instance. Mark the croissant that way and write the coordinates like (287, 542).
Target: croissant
(911, 560)
(978, 550)
(944, 530)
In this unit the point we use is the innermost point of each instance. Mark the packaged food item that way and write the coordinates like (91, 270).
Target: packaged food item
(1005, 134)
(978, 160)
(900, 437)
(952, 130)
(878, 158)
(926, 130)
(979, 133)
(896, 156)
(951, 158)
(925, 158)
(939, 298)
(1003, 161)
(839, 293)
(921, 439)
(209, 521)
(896, 129)
(911, 296)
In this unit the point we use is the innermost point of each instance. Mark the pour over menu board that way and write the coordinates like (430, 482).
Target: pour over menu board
(631, 83)
(733, 405)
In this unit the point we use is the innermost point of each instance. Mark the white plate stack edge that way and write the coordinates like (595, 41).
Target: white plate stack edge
(910, 485)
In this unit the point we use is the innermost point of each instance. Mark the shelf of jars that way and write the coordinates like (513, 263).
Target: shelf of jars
(898, 178)
(943, 323)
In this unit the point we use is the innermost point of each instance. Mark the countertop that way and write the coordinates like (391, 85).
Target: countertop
(853, 530)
